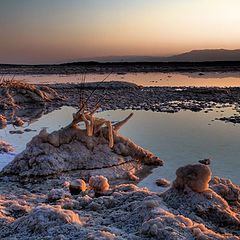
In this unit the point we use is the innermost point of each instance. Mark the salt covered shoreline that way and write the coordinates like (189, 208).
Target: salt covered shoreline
(188, 210)
(44, 208)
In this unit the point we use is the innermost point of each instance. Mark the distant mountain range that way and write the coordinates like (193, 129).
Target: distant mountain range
(192, 56)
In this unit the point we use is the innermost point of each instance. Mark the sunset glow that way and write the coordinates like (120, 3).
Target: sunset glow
(57, 30)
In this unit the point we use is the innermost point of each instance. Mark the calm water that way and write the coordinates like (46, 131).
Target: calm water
(230, 79)
(180, 138)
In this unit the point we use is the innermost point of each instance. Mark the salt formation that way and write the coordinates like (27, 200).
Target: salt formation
(128, 212)
(77, 186)
(57, 194)
(5, 147)
(45, 217)
(98, 149)
(14, 93)
(132, 176)
(3, 120)
(18, 122)
(98, 183)
(191, 197)
(162, 182)
(194, 176)
(227, 190)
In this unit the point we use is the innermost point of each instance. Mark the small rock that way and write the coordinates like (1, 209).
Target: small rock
(132, 176)
(154, 230)
(18, 122)
(29, 130)
(16, 132)
(5, 179)
(99, 183)
(151, 204)
(162, 182)
(3, 120)
(195, 176)
(5, 147)
(56, 194)
(77, 186)
(205, 161)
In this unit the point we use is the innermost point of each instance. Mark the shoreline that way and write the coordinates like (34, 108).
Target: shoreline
(124, 96)
(120, 67)
(46, 209)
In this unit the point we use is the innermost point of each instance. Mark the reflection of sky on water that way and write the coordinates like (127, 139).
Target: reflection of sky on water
(180, 138)
(229, 79)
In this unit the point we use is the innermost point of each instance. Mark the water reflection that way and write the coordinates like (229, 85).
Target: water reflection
(180, 138)
(212, 79)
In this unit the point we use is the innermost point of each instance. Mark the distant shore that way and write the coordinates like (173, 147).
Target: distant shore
(120, 67)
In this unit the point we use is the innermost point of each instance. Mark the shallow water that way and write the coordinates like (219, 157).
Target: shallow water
(212, 79)
(179, 138)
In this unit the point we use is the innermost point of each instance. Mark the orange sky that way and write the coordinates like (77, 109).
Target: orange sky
(51, 31)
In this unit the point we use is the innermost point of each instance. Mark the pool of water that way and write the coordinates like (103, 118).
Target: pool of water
(212, 79)
(179, 138)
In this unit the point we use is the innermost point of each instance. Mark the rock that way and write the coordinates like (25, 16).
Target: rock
(5, 179)
(128, 212)
(132, 176)
(16, 131)
(194, 176)
(29, 130)
(5, 147)
(227, 190)
(56, 194)
(206, 207)
(15, 93)
(18, 122)
(98, 183)
(77, 186)
(161, 182)
(205, 161)
(71, 148)
(44, 217)
(3, 120)
(108, 85)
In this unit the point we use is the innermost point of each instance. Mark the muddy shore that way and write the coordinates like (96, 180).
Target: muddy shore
(120, 67)
(123, 95)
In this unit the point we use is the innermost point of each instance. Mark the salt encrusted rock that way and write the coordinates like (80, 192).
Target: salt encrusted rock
(77, 186)
(14, 93)
(205, 161)
(99, 183)
(128, 212)
(176, 227)
(227, 190)
(16, 131)
(45, 217)
(162, 182)
(190, 198)
(56, 194)
(102, 235)
(18, 122)
(71, 148)
(132, 176)
(3, 120)
(194, 176)
(5, 147)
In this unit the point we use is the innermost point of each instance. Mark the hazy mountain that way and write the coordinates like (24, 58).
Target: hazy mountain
(207, 55)
(192, 56)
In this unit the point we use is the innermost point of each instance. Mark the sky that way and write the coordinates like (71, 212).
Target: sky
(54, 31)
